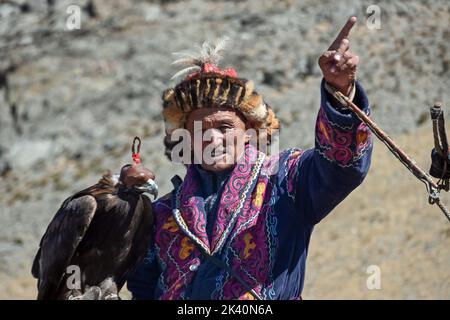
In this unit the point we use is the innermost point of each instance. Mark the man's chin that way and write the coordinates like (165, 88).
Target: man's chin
(218, 166)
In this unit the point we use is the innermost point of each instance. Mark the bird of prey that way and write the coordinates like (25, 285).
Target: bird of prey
(99, 234)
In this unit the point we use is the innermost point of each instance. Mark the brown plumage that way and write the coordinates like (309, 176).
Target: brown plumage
(104, 230)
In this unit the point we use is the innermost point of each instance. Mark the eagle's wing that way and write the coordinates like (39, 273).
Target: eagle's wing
(141, 240)
(59, 243)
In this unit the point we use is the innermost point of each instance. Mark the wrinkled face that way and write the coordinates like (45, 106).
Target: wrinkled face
(224, 137)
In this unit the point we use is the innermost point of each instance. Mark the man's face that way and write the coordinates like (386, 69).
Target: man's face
(220, 137)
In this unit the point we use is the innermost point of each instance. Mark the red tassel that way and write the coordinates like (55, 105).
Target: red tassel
(136, 158)
(135, 150)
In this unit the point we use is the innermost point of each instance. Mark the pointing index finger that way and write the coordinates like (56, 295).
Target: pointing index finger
(345, 31)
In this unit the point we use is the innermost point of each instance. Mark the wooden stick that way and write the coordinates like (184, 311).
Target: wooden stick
(383, 136)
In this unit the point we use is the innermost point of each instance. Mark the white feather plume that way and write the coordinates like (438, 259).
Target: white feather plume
(186, 71)
(186, 61)
(207, 53)
(219, 48)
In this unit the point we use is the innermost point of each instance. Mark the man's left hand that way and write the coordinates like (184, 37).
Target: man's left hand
(338, 63)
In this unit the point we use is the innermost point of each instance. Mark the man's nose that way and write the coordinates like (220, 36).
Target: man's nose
(215, 136)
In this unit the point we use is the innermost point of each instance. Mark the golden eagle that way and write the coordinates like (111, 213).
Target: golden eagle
(101, 232)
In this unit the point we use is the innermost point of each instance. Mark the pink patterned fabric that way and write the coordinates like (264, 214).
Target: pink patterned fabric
(341, 144)
(250, 246)
(240, 223)
(176, 250)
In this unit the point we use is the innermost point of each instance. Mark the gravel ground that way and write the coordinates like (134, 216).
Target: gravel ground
(72, 100)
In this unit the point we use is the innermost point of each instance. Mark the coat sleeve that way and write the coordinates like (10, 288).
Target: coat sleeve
(318, 179)
(143, 280)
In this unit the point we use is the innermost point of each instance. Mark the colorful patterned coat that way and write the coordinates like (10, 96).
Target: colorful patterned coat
(266, 213)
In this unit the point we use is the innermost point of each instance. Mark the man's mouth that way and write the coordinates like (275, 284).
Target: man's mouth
(217, 153)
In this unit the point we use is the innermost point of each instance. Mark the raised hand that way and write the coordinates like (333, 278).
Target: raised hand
(339, 63)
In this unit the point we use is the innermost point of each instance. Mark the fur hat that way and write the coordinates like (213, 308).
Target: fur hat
(206, 85)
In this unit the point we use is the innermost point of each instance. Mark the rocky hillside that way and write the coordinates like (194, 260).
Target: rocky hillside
(72, 100)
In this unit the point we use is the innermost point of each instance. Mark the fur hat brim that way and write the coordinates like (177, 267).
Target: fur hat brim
(215, 90)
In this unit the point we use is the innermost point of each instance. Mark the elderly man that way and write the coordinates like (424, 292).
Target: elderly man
(240, 229)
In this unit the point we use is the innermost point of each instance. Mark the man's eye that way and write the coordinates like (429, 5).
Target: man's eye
(225, 128)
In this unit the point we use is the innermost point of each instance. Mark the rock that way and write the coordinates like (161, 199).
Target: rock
(25, 154)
